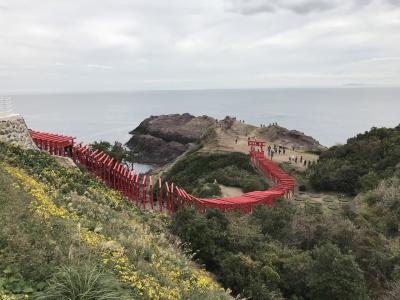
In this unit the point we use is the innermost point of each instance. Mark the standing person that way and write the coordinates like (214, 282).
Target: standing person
(236, 140)
(272, 154)
(301, 158)
(305, 163)
(295, 160)
(284, 150)
(280, 151)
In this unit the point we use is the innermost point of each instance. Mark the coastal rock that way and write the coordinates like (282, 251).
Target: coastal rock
(13, 130)
(290, 138)
(160, 139)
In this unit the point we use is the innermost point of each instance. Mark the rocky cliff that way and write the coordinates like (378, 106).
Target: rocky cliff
(13, 130)
(160, 139)
(290, 138)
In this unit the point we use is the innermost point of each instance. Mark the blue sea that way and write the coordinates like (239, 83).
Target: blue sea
(329, 115)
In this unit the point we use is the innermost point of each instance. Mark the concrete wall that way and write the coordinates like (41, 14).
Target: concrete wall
(13, 130)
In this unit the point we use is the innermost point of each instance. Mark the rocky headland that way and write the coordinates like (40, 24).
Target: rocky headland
(160, 139)
(290, 138)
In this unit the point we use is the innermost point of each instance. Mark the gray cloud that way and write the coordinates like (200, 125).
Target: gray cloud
(247, 7)
(122, 45)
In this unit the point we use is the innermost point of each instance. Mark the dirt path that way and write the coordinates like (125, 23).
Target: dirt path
(228, 191)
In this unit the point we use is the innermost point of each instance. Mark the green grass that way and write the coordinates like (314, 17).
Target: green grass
(199, 169)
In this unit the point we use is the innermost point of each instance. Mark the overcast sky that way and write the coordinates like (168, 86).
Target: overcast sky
(97, 45)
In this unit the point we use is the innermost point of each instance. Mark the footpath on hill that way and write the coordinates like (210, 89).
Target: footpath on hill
(235, 139)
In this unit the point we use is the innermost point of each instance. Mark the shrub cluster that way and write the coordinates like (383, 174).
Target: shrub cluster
(196, 171)
(360, 164)
(290, 252)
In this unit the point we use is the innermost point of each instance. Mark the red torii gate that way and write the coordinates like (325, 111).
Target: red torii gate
(53, 143)
(256, 143)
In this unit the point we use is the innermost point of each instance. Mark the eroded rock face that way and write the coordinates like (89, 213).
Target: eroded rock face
(13, 130)
(291, 138)
(160, 139)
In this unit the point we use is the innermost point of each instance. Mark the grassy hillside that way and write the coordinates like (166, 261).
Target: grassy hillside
(63, 233)
(359, 164)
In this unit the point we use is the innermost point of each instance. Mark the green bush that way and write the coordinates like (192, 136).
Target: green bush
(83, 282)
(335, 276)
(203, 232)
(231, 169)
(302, 188)
(209, 190)
(359, 163)
(369, 181)
(274, 221)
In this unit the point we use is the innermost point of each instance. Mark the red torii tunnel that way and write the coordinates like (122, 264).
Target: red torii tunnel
(140, 191)
(53, 143)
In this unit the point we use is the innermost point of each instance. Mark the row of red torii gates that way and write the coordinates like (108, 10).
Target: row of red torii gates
(141, 191)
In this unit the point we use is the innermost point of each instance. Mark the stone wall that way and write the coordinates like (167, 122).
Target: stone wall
(13, 130)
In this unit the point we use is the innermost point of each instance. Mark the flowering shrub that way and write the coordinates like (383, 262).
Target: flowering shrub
(133, 244)
(3, 296)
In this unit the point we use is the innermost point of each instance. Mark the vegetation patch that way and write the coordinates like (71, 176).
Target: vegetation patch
(59, 225)
(292, 252)
(360, 164)
(199, 173)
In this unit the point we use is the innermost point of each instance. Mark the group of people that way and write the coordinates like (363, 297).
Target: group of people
(276, 150)
(306, 163)
(281, 150)
(270, 124)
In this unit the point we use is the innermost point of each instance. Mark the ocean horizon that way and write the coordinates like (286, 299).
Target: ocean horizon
(330, 115)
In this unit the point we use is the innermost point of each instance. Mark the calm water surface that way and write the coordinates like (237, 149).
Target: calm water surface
(329, 115)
